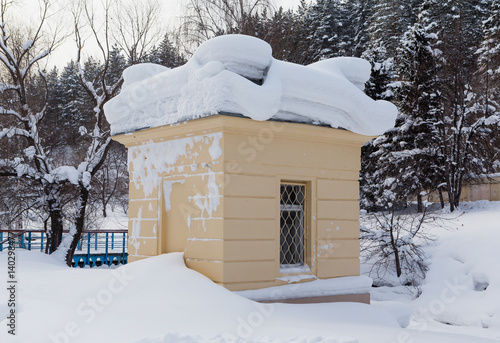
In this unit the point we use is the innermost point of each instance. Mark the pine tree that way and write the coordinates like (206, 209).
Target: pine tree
(459, 29)
(325, 32)
(489, 52)
(357, 14)
(116, 64)
(416, 156)
(388, 22)
(305, 31)
(404, 162)
(166, 54)
(71, 96)
(53, 116)
(378, 87)
(489, 76)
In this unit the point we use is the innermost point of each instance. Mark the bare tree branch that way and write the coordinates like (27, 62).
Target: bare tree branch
(137, 28)
(204, 19)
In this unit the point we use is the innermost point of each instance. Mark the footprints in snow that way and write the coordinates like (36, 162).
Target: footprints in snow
(480, 280)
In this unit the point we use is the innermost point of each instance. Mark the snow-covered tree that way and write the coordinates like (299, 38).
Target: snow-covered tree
(392, 244)
(441, 122)
(22, 111)
(335, 28)
(117, 63)
(325, 32)
(416, 142)
(388, 22)
(60, 185)
(166, 54)
(101, 84)
(357, 14)
(72, 103)
(460, 33)
(53, 116)
(489, 52)
(379, 86)
(285, 32)
(489, 81)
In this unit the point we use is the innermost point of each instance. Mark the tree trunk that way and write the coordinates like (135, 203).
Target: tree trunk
(458, 193)
(457, 201)
(396, 257)
(78, 225)
(46, 236)
(420, 207)
(395, 247)
(451, 200)
(56, 227)
(441, 198)
(454, 199)
(55, 233)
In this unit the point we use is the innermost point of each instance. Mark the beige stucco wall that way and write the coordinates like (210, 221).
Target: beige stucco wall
(484, 189)
(480, 189)
(183, 180)
(224, 212)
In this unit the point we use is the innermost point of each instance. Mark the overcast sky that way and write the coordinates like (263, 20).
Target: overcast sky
(27, 11)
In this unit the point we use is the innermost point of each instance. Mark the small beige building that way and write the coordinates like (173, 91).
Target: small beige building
(248, 202)
(251, 203)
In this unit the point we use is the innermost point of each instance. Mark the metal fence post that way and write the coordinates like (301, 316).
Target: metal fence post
(123, 248)
(88, 248)
(106, 257)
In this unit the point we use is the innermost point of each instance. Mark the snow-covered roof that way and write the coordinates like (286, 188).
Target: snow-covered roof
(237, 74)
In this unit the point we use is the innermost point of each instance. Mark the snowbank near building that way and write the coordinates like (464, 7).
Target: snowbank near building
(160, 300)
(237, 74)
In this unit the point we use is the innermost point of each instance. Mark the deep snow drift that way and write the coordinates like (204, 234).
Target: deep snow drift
(237, 74)
(160, 300)
(462, 287)
(461, 291)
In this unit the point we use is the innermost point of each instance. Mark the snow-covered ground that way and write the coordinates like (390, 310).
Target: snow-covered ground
(160, 300)
(461, 292)
(462, 288)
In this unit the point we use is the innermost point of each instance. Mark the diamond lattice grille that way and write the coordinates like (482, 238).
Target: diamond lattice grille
(292, 212)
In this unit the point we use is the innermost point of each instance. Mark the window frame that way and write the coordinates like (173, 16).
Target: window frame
(309, 266)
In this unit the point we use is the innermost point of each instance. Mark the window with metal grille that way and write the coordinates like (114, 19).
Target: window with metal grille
(292, 223)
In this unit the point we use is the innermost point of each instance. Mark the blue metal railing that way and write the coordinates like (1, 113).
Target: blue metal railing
(95, 248)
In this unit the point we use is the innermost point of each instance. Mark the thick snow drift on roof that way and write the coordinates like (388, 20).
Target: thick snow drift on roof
(237, 74)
